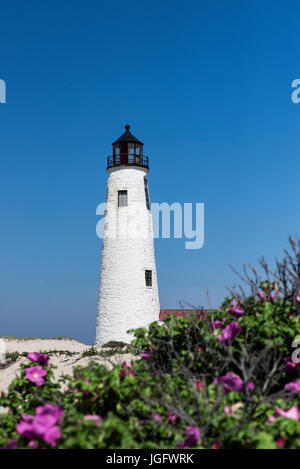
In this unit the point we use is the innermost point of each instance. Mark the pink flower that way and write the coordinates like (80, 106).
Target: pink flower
(229, 333)
(127, 364)
(292, 413)
(157, 417)
(51, 435)
(227, 409)
(264, 297)
(171, 417)
(216, 445)
(146, 352)
(192, 437)
(123, 373)
(12, 444)
(250, 386)
(217, 324)
(298, 298)
(36, 374)
(236, 312)
(290, 365)
(42, 358)
(230, 382)
(271, 418)
(42, 426)
(293, 386)
(280, 442)
(234, 303)
(95, 418)
(199, 385)
(33, 444)
(236, 309)
(55, 412)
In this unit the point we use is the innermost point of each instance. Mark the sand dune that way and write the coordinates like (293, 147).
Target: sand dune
(64, 362)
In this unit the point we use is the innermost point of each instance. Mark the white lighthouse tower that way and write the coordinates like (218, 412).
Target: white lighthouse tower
(128, 295)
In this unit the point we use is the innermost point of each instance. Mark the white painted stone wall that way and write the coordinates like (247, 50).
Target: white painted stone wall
(125, 302)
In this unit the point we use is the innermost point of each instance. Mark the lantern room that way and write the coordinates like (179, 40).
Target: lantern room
(127, 150)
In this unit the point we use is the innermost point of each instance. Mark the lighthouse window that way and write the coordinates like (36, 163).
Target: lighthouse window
(122, 198)
(148, 278)
(147, 193)
(130, 148)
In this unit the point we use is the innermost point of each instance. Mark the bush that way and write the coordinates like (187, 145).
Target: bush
(226, 381)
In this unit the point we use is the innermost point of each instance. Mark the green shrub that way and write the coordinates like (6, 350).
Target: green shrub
(219, 382)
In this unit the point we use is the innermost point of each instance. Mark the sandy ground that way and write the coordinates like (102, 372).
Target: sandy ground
(41, 345)
(64, 363)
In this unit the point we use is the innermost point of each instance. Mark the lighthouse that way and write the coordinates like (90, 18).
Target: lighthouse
(128, 293)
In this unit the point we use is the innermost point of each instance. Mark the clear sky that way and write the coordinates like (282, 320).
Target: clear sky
(205, 85)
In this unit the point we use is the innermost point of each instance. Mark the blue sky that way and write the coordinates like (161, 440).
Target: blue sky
(205, 85)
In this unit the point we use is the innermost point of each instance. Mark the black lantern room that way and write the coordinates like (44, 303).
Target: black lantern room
(128, 151)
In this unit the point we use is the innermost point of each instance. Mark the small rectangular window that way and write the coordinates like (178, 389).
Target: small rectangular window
(122, 198)
(148, 278)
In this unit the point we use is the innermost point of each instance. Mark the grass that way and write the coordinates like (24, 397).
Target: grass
(11, 357)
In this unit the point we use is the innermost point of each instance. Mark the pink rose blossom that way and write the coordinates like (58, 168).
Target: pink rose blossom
(12, 444)
(42, 426)
(192, 437)
(199, 385)
(171, 417)
(217, 324)
(264, 297)
(229, 333)
(42, 358)
(292, 413)
(36, 374)
(50, 410)
(227, 409)
(280, 442)
(95, 418)
(146, 353)
(250, 386)
(290, 366)
(236, 312)
(230, 382)
(51, 435)
(236, 309)
(293, 386)
(33, 444)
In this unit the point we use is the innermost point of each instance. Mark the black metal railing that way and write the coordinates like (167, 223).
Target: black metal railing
(127, 160)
